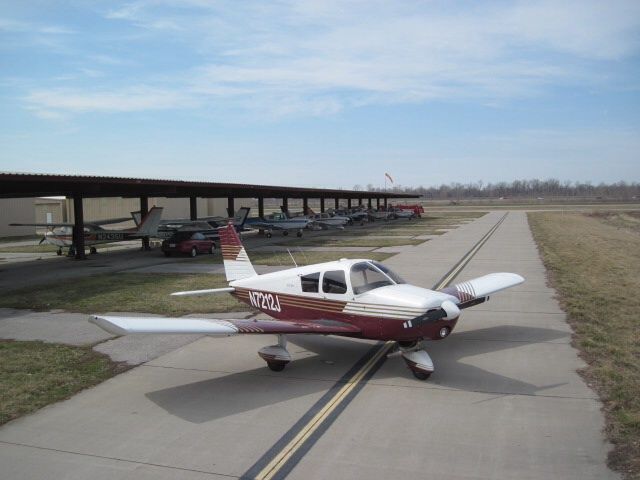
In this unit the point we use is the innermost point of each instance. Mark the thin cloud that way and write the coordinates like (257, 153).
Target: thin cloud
(128, 100)
(319, 58)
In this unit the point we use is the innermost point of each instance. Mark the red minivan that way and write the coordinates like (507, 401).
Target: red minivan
(191, 243)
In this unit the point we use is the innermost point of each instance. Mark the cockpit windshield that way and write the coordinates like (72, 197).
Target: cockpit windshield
(365, 276)
(389, 273)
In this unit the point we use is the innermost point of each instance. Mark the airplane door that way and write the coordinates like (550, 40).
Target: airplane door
(334, 285)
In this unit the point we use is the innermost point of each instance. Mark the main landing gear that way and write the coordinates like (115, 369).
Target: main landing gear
(276, 356)
(418, 360)
(414, 356)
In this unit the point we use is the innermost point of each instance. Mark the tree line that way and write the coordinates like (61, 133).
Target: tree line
(521, 189)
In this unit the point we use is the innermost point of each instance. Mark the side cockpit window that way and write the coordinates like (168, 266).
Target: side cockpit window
(311, 282)
(333, 281)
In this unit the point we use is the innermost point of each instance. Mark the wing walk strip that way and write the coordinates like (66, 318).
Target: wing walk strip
(280, 460)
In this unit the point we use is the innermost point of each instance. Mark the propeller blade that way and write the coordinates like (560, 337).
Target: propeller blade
(447, 311)
(42, 240)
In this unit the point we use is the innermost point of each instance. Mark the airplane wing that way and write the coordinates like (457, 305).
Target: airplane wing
(475, 291)
(264, 225)
(127, 325)
(60, 224)
(109, 221)
(71, 224)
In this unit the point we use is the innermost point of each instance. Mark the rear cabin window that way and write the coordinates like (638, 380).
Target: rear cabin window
(311, 282)
(365, 277)
(334, 282)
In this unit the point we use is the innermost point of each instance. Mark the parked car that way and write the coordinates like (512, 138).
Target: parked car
(191, 243)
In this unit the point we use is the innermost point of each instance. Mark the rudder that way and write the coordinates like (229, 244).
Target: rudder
(234, 257)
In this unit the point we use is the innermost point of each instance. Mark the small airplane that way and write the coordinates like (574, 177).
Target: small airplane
(278, 221)
(61, 234)
(208, 226)
(324, 221)
(355, 298)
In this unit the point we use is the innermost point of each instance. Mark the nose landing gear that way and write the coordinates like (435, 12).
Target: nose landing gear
(417, 359)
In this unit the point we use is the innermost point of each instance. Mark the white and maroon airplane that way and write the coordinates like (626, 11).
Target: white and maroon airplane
(355, 298)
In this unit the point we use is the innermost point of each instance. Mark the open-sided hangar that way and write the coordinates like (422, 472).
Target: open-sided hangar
(77, 187)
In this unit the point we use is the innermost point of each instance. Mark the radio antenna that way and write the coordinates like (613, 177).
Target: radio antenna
(294, 260)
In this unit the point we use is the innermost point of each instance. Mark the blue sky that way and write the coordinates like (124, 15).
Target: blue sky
(322, 93)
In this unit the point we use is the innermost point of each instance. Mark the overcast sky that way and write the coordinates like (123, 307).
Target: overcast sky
(322, 93)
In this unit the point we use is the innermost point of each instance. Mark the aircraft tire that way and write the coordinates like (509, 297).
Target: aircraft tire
(269, 234)
(276, 366)
(421, 375)
(59, 252)
(285, 232)
(212, 248)
(194, 251)
(299, 234)
(167, 254)
(93, 250)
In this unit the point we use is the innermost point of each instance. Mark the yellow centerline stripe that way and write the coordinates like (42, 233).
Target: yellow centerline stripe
(272, 468)
(285, 454)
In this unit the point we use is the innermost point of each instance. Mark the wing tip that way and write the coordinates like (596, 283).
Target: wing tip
(107, 325)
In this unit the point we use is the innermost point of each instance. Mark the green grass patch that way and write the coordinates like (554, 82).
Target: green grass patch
(594, 266)
(35, 374)
(128, 292)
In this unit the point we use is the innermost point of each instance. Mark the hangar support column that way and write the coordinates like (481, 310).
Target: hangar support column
(337, 203)
(369, 202)
(78, 227)
(305, 205)
(385, 202)
(261, 207)
(285, 204)
(349, 203)
(360, 201)
(231, 210)
(378, 203)
(144, 209)
(322, 205)
(193, 208)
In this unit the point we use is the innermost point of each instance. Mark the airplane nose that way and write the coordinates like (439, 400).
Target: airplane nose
(451, 309)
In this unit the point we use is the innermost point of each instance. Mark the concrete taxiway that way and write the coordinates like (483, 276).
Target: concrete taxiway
(505, 400)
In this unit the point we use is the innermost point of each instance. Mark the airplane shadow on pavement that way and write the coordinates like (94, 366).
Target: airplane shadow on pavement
(235, 393)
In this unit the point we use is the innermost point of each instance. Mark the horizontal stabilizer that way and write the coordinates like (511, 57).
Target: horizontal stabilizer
(127, 325)
(209, 291)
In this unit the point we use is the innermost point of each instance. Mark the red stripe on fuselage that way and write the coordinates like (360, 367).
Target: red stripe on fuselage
(300, 308)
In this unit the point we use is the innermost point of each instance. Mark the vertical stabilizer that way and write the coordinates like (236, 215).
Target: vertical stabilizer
(236, 261)
(148, 226)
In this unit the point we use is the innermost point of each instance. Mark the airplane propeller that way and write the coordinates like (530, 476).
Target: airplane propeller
(447, 311)
(42, 240)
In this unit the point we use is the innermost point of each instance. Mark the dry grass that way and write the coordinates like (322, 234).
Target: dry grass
(35, 374)
(595, 267)
(127, 292)
(44, 248)
(308, 258)
(363, 241)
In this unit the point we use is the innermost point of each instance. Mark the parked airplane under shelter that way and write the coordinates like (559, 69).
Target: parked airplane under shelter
(357, 298)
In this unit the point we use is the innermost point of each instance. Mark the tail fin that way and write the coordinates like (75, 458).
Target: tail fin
(236, 261)
(148, 226)
(241, 217)
(136, 217)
